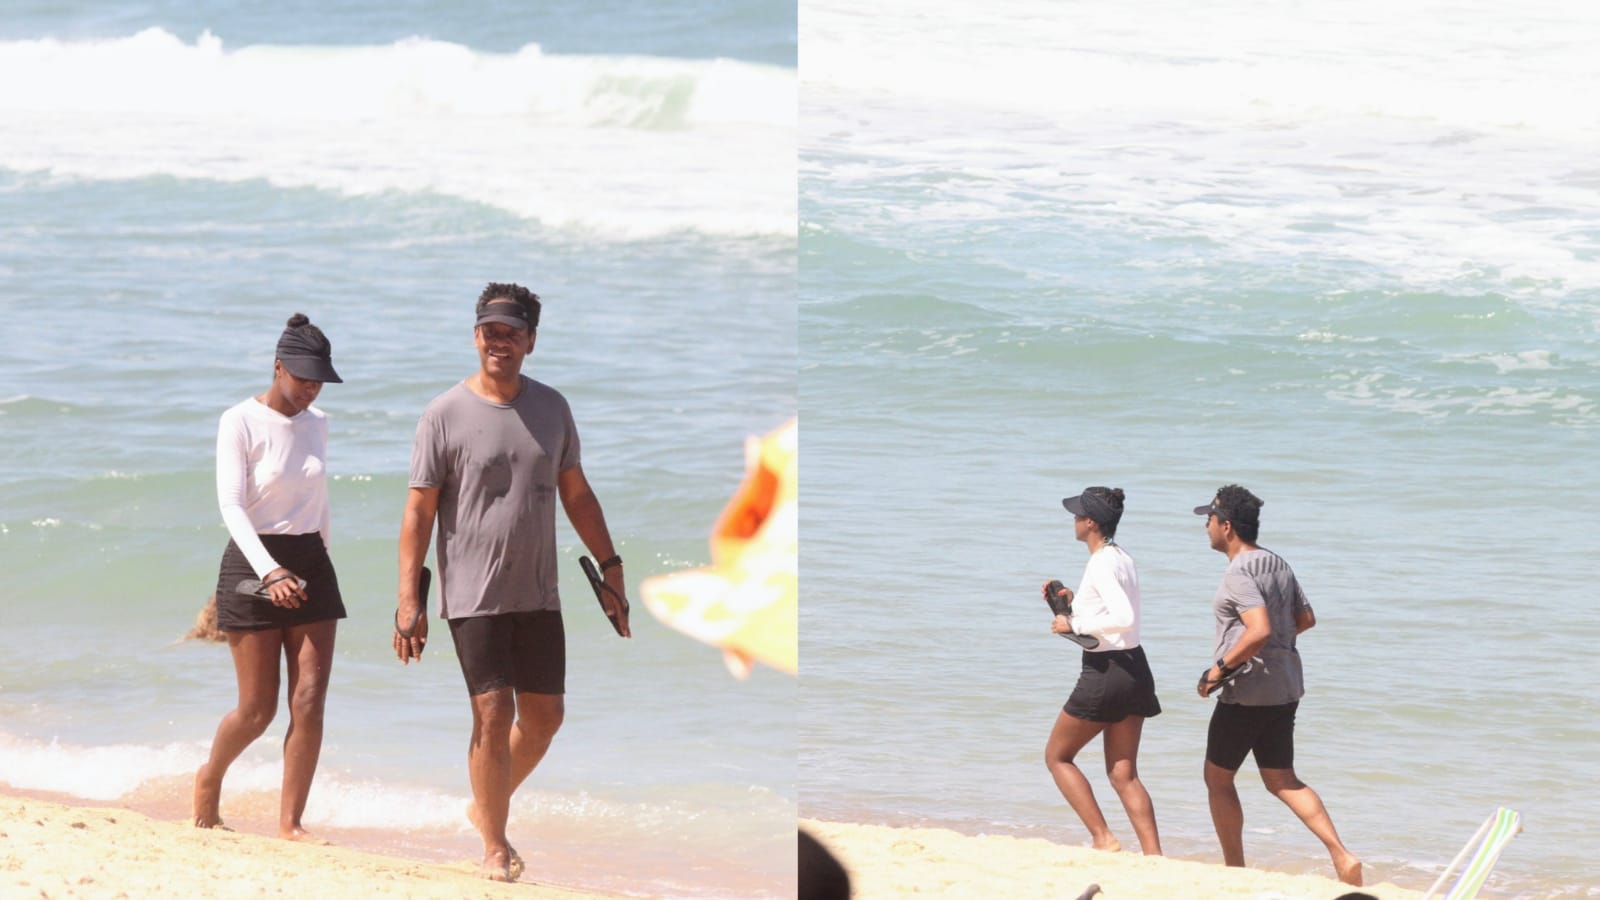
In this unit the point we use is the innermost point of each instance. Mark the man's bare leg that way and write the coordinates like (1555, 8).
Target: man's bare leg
(255, 667)
(1227, 815)
(539, 717)
(1299, 797)
(1069, 735)
(1122, 768)
(308, 650)
(489, 765)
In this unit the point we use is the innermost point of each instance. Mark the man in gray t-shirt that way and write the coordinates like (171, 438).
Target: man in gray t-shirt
(491, 457)
(496, 466)
(1260, 610)
(1260, 579)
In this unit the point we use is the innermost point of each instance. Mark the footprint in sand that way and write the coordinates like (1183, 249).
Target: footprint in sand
(907, 848)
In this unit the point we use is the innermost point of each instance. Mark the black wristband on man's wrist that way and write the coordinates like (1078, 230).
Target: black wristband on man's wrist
(610, 563)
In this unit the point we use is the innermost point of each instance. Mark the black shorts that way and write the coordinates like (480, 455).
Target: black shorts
(1237, 731)
(302, 554)
(526, 651)
(1114, 685)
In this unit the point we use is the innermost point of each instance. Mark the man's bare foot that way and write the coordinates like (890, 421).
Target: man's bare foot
(207, 799)
(1108, 844)
(1349, 869)
(514, 866)
(497, 865)
(296, 833)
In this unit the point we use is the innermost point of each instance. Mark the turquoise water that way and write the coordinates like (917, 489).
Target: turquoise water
(1344, 257)
(171, 196)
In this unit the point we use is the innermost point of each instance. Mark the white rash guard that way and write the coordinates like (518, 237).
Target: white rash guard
(271, 476)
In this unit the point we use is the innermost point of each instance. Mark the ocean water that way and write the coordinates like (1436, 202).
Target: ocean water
(1348, 256)
(177, 179)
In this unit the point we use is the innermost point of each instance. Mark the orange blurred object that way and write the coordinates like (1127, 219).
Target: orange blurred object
(747, 601)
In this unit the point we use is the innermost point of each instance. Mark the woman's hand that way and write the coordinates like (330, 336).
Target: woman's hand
(1061, 625)
(284, 589)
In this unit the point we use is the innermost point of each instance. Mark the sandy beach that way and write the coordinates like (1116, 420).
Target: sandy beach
(50, 849)
(901, 862)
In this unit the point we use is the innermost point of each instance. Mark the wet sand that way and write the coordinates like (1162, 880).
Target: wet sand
(51, 849)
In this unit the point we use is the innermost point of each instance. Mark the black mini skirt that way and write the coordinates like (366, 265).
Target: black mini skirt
(302, 554)
(1113, 685)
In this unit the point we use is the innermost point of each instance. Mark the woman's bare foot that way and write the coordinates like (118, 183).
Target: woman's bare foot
(1349, 868)
(1108, 844)
(297, 833)
(207, 799)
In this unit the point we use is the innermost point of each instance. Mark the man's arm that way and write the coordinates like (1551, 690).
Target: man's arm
(589, 521)
(416, 527)
(1257, 629)
(1304, 620)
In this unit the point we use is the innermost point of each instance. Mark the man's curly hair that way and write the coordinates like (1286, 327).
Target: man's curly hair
(1242, 508)
(508, 291)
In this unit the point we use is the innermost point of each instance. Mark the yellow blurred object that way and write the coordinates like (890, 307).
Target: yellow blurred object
(747, 600)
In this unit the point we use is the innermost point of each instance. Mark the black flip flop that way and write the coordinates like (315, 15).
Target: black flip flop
(424, 579)
(1063, 607)
(600, 591)
(1242, 668)
(252, 587)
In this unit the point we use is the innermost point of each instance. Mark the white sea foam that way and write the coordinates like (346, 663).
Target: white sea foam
(626, 147)
(1245, 59)
(117, 771)
(94, 773)
(1535, 360)
(1439, 149)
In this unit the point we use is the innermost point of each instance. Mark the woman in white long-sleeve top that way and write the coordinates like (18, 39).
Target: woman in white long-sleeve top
(1115, 692)
(277, 594)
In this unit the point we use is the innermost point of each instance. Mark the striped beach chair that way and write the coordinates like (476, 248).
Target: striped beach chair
(1492, 837)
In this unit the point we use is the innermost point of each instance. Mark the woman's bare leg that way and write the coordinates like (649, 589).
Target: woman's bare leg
(255, 667)
(1122, 768)
(308, 650)
(1069, 736)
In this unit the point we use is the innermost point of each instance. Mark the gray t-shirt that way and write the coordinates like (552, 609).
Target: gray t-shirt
(496, 468)
(1257, 578)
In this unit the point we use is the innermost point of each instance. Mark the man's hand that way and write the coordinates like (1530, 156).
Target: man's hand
(1209, 681)
(410, 630)
(616, 599)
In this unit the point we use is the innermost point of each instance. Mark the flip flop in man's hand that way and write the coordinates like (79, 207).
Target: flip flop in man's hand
(1211, 687)
(424, 580)
(600, 591)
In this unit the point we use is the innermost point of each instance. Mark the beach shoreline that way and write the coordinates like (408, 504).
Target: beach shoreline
(58, 846)
(885, 861)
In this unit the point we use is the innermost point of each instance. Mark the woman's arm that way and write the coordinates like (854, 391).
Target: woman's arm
(233, 461)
